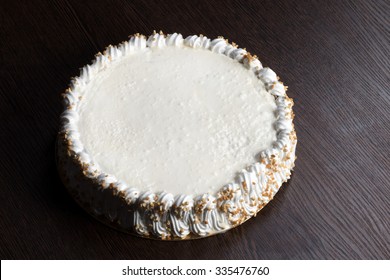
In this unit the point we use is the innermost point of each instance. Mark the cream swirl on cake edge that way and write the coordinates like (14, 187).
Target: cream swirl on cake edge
(162, 215)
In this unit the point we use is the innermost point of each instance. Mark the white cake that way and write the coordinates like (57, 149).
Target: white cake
(175, 138)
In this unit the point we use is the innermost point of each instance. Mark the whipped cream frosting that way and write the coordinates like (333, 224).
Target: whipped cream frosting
(105, 120)
(192, 117)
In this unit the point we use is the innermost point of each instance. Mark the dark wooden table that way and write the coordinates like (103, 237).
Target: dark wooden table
(333, 55)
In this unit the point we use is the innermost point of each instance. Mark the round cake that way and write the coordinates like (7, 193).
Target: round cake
(174, 138)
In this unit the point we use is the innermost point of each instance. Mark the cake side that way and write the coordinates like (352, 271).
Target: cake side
(163, 215)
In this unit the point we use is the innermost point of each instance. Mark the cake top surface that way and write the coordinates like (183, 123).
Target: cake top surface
(176, 119)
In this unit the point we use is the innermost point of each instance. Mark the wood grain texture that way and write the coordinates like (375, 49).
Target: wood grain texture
(333, 55)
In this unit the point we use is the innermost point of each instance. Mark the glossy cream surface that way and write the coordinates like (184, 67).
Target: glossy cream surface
(176, 119)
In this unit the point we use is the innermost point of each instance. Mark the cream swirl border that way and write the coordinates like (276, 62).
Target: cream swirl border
(163, 215)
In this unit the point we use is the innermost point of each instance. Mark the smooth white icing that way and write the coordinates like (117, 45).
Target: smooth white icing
(176, 119)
